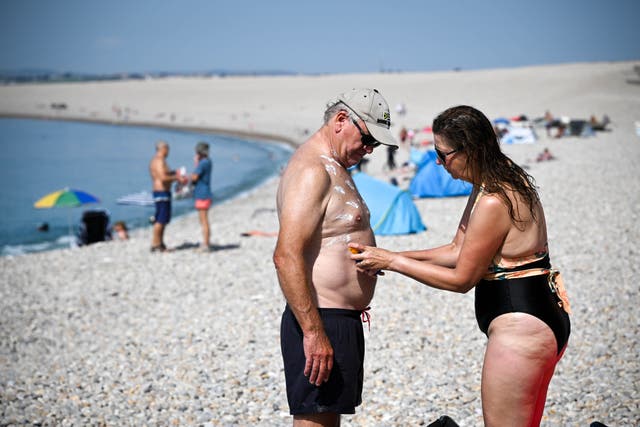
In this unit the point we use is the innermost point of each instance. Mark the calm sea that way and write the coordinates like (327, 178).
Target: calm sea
(39, 157)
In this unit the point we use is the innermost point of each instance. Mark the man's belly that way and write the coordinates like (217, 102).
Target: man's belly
(337, 282)
(161, 187)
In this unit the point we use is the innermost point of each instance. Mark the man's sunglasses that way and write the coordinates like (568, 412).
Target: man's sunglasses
(443, 156)
(367, 140)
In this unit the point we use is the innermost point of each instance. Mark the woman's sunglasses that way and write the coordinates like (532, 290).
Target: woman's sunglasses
(443, 156)
(367, 140)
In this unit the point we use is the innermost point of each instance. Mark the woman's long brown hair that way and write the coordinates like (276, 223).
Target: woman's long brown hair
(470, 131)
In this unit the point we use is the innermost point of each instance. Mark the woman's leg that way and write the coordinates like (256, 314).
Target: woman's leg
(542, 393)
(203, 214)
(518, 366)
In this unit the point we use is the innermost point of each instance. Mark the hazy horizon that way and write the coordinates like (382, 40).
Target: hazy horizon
(332, 37)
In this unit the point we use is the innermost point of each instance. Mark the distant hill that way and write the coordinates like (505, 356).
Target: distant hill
(51, 76)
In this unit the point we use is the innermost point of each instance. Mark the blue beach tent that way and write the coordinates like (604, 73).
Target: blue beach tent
(416, 156)
(433, 180)
(392, 210)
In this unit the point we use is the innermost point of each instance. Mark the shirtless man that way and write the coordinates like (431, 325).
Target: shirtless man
(162, 177)
(320, 212)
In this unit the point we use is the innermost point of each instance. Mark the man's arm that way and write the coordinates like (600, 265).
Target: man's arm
(169, 175)
(301, 209)
(160, 171)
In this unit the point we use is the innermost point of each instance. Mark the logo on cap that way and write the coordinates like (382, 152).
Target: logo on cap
(386, 119)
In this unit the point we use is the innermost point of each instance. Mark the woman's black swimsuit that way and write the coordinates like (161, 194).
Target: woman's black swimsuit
(530, 294)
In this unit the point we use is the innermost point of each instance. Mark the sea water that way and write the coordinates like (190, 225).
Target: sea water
(38, 157)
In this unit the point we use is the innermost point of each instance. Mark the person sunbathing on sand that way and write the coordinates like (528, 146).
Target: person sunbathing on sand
(545, 156)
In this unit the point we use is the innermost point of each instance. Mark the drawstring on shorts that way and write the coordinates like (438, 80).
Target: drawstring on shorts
(366, 317)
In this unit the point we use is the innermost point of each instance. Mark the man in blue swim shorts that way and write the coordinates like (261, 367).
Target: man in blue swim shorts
(162, 201)
(162, 178)
(320, 212)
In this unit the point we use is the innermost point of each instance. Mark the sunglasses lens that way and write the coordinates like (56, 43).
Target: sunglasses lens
(443, 156)
(366, 139)
(369, 140)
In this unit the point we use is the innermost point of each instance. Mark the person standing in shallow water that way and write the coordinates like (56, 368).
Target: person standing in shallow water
(201, 176)
(501, 249)
(162, 178)
(320, 211)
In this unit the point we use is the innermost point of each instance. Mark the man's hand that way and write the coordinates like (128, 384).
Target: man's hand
(319, 358)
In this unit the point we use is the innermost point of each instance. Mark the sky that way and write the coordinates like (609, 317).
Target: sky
(126, 36)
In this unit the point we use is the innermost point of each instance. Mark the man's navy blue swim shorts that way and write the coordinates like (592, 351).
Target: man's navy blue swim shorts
(162, 200)
(343, 392)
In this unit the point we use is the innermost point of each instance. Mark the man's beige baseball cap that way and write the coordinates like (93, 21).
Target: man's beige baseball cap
(372, 108)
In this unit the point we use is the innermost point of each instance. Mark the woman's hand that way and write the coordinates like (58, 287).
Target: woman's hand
(369, 259)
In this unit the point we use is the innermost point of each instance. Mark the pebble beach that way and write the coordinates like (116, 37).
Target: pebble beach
(114, 335)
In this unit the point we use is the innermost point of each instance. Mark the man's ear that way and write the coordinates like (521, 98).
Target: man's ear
(340, 120)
